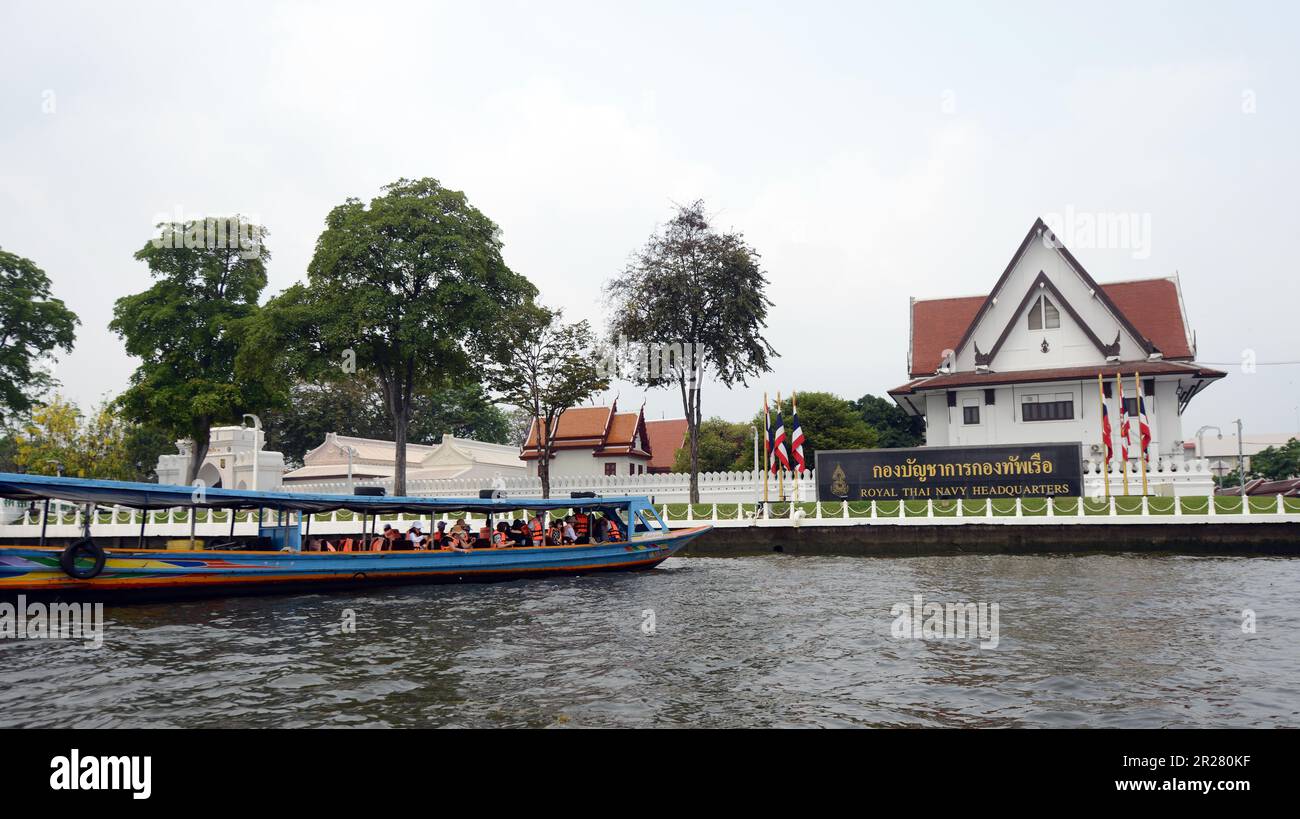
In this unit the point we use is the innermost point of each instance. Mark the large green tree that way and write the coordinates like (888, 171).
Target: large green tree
(1277, 462)
(894, 426)
(355, 407)
(724, 447)
(186, 330)
(58, 437)
(547, 367)
(410, 288)
(33, 324)
(693, 302)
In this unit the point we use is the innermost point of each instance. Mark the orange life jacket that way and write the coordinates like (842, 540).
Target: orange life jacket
(347, 544)
(580, 524)
(498, 539)
(377, 545)
(612, 531)
(535, 526)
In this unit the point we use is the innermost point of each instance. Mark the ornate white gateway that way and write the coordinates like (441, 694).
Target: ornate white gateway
(233, 455)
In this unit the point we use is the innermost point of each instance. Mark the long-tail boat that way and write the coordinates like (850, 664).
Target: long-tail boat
(276, 562)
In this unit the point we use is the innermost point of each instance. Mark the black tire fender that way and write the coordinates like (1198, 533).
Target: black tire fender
(88, 548)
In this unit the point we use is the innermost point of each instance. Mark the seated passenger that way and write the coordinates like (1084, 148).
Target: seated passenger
(392, 539)
(501, 537)
(519, 533)
(417, 538)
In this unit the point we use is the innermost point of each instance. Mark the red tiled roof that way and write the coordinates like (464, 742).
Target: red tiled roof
(577, 424)
(622, 430)
(599, 429)
(980, 379)
(1151, 305)
(666, 437)
(937, 325)
(622, 433)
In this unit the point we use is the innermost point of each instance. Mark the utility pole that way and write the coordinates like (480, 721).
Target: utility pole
(1241, 459)
(352, 489)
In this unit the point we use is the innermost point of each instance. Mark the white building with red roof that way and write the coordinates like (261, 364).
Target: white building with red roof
(1019, 365)
(604, 441)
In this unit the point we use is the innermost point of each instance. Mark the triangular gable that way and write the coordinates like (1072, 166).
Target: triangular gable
(1040, 265)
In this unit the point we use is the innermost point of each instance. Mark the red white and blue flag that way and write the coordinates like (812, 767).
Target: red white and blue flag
(796, 435)
(781, 461)
(1123, 420)
(1144, 429)
(1105, 433)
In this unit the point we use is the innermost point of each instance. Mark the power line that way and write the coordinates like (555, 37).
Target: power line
(1255, 364)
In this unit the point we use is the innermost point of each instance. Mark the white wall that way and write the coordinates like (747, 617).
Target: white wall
(1001, 423)
(579, 462)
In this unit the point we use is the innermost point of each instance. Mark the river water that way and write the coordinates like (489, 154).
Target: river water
(1106, 641)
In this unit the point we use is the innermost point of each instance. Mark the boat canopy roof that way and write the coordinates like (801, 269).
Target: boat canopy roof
(137, 495)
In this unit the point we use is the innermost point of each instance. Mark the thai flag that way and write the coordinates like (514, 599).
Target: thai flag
(1123, 422)
(778, 441)
(1105, 433)
(1144, 429)
(796, 436)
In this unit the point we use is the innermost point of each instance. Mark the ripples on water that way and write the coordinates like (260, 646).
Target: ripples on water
(1106, 641)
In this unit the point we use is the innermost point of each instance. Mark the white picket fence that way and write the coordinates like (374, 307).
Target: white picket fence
(1165, 476)
(715, 487)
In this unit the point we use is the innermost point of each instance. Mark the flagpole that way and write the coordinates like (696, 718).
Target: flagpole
(1123, 419)
(1142, 450)
(794, 415)
(1105, 456)
(780, 473)
(767, 455)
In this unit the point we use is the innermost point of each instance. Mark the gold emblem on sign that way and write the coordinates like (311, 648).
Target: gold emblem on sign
(839, 482)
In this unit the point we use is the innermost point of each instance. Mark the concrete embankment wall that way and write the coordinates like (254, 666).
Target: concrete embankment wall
(893, 541)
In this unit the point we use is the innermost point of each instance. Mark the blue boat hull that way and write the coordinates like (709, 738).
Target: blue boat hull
(135, 575)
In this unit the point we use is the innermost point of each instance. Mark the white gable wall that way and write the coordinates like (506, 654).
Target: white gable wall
(1068, 344)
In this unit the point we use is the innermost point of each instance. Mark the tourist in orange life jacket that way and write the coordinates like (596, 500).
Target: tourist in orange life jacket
(537, 527)
(612, 533)
(582, 527)
(519, 533)
(501, 537)
(440, 535)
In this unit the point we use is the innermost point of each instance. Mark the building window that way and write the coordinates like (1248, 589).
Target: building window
(1031, 409)
(1043, 315)
(611, 469)
(970, 415)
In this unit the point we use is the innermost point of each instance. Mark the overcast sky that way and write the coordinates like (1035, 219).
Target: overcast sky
(870, 152)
